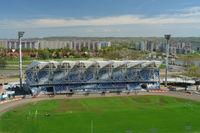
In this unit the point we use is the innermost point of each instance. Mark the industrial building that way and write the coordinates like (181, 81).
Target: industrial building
(91, 76)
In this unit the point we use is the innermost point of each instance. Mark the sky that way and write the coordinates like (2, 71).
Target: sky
(99, 18)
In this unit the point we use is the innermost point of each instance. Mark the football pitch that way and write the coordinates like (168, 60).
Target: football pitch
(131, 114)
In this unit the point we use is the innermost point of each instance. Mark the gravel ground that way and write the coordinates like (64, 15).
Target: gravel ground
(8, 106)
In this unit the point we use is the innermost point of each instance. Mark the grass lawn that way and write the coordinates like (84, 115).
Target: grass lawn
(140, 114)
(162, 67)
(195, 56)
(12, 68)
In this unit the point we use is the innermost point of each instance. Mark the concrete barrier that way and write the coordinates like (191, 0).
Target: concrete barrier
(7, 101)
(157, 90)
(1, 88)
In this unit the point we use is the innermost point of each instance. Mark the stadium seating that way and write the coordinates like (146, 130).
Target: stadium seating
(117, 75)
(89, 75)
(58, 77)
(102, 77)
(134, 85)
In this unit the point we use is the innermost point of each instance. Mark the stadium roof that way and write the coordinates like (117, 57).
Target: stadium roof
(99, 64)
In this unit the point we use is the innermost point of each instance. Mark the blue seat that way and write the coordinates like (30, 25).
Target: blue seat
(104, 75)
(88, 75)
(29, 76)
(43, 74)
(134, 85)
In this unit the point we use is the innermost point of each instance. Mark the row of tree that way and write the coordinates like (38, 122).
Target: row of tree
(116, 52)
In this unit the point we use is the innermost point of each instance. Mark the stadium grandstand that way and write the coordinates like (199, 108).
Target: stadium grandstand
(92, 76)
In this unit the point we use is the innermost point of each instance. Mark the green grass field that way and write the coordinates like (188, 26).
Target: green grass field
(140, 114)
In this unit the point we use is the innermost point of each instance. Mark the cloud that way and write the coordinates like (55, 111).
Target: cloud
(188, 12)
(182, 16)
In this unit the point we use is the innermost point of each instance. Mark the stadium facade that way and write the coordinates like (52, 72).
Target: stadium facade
(92, 76)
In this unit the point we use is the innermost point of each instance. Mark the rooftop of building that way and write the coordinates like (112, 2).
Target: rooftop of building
(99, 64)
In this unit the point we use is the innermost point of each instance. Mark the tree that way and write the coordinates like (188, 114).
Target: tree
(66, 49)
(188, 62)
(84, 49)
(193, 71)
(113, 55)
(73, 52)
(44, 54)
(58, 54)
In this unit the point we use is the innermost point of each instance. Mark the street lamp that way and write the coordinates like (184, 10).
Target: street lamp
(167, 37)
(20, 35)
(13, 50)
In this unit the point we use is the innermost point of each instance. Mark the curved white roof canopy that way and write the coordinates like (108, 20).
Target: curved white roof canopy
(69, 63)
(100, 64)
(37, 65)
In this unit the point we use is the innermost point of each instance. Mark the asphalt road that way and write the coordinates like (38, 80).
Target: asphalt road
(8, 106)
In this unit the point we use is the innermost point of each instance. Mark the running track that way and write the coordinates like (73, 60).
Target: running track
(11, 105)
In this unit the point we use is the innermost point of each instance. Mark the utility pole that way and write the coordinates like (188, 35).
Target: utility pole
(167, 37)
(20, 35)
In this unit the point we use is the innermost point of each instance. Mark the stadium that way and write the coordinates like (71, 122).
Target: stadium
(92, 76)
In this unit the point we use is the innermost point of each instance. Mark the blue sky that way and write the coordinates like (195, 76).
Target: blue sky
(133, 18)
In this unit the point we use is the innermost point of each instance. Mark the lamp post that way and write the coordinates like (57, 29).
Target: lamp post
(13, 50)
(20, 35)
(167, 37)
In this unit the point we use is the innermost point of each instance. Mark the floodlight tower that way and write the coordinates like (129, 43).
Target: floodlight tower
(167, 37)
(20, 35)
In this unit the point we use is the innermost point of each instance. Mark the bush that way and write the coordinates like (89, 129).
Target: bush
(3, 63)
(77, 56)
(26, 57)
(44, 54)
(192, 72)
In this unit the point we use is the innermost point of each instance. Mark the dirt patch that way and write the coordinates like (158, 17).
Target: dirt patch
(181, 100)
(117, 122)
(138, 107)
(20, 107)
(69, 105)
(124, 100)
(3, 77)
(141, 99)
(163, 101)
(97, 110)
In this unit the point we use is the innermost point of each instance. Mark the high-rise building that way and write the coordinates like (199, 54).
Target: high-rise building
(105, 44)
(77, 45)
(3, 43)
(13, 44)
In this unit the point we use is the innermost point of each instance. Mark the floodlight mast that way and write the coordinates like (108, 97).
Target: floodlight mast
(167, 37)
(20, 35)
